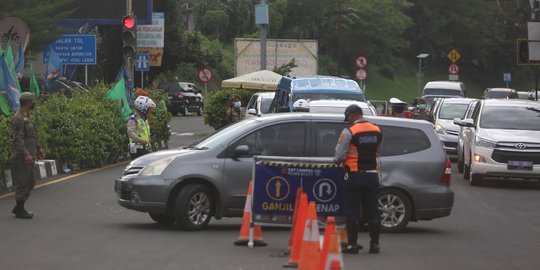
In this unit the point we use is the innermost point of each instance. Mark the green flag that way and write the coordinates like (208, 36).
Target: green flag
(4, 107)
(34, 86)
(118, 93)
(11, 65)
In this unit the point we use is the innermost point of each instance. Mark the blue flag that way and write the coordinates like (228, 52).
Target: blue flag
(8, 87)
(54, 66)
(19, 65)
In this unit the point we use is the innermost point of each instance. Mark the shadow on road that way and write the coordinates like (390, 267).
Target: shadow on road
(510, 184)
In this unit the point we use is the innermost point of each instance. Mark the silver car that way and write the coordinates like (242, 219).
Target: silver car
(339, 105)
(208, 179)
(447, 109)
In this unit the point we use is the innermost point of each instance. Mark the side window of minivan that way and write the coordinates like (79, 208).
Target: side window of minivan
(402, 140)
(325, 137)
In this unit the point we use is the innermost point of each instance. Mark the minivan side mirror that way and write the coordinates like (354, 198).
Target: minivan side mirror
(252, 111)
(241, 150)
(465, 122)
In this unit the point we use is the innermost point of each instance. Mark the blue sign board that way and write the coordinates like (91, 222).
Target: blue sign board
(275, 185)
(142, 62)
(507, 77)
(74, 50)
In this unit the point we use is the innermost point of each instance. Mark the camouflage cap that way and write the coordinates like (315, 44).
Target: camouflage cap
(26, 96)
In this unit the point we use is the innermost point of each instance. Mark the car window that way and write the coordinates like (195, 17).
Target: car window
(173, 88)
(403, 140)
(435, 91)
(317, 96)
(498, 94)
(470, 110)
(251, 102)
(325, 136)
(265, 104)
(451, 111)
(515, 117)
(285, 139)
(476, 113)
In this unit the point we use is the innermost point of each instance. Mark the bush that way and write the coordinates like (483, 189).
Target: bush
(218, 103)
(159, 120)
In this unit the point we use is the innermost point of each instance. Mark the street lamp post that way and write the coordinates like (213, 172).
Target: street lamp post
(419, 75)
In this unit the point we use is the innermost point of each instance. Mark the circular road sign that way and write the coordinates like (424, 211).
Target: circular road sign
(205, 75)
(453, 69)
(360, 74)
(361, 61)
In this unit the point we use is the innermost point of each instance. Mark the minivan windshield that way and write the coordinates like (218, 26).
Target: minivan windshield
(317, 96)
(451, 111)
(438, 91)
(501, 94)
(225, 135)
(511, 117)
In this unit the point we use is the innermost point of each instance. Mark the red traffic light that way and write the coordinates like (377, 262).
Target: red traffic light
(128, 22)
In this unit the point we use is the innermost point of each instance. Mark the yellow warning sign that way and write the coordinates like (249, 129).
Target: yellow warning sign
(454, 56)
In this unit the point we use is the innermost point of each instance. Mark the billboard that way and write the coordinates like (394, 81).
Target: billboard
(247, 54)
(152, 35)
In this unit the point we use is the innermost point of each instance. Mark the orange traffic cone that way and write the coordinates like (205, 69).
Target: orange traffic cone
(311, 249)
(334, 260)
(330, 229)
(299, 192)
(248, 226)
(298, 232)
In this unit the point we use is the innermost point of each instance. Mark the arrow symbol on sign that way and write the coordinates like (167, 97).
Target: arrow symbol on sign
(278, 189)
(326, 186)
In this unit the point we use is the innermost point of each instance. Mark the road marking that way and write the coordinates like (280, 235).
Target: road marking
(182, 134)
(65, 178)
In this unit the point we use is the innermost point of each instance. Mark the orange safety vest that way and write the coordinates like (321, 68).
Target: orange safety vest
(362, 154)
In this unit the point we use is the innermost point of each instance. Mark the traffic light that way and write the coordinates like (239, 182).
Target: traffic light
(129, 36)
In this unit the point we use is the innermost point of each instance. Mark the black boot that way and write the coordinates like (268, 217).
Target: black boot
(22, 213)
(374, 232)
(17, 207)
(352, 234)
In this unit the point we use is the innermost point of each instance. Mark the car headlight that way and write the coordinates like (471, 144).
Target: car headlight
(481, 142)
(439, 129)
(156, 167)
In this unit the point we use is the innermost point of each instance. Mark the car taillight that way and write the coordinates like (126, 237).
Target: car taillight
(180, 95)
(447, 175)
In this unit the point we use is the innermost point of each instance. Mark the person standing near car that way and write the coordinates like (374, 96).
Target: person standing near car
(421, 112)
(138, 128)
(25, 151)
(234, 112)
(358, 151)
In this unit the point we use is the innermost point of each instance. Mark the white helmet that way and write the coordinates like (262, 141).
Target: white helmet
(301, 105)
(142, 103)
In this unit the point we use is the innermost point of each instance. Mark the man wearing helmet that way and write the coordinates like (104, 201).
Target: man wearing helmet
(138, 128)
(301, 105)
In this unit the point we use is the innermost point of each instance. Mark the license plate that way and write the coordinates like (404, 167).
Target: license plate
(520, 165)
(170, 97)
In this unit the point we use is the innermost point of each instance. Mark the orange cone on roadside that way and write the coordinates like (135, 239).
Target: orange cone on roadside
(299, 192)
(334, 260)
(330, 229)
(311, 249)
(247, 225)
(294, 259)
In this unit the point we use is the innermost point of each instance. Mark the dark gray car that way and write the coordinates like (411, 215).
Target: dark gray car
(188, 186)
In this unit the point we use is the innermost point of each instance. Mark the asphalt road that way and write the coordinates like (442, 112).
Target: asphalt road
(79, 225)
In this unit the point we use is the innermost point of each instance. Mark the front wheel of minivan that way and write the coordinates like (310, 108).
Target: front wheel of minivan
(193, 208)
(396, 208)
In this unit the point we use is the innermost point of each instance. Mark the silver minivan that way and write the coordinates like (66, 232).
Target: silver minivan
(188, 186)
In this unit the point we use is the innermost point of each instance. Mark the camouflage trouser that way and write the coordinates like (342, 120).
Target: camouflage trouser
(23, 178)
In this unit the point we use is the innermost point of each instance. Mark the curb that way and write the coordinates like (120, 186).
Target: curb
(42, 169)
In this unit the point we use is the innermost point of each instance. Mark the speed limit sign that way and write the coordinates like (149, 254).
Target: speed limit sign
(360, 74)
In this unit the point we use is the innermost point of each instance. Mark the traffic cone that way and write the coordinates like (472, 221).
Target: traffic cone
(311, 249)
(294, 259)
(247, 225)
(330, 229)
(334, 260)
(299, 192)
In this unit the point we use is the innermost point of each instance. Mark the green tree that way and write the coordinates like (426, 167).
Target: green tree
(214, 24)
(40, 16)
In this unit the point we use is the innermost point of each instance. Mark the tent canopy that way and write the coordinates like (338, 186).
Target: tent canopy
(258, 80)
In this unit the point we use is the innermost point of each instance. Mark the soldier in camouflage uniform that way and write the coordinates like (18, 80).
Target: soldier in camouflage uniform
(25, 151)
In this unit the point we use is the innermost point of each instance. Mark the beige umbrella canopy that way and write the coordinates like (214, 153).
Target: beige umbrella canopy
(258, 80)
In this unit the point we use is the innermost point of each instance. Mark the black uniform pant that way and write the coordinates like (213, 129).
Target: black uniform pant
(360, 195)
(23, 178)
(140, 152)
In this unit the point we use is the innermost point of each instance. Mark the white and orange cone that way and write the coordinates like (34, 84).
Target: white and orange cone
(311, 250)
(334, 260)
(248, 227)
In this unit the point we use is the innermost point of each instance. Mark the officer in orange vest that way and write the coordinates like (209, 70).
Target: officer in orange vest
(358, 150)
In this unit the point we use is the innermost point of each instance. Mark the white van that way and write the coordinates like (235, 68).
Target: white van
(442, 89)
